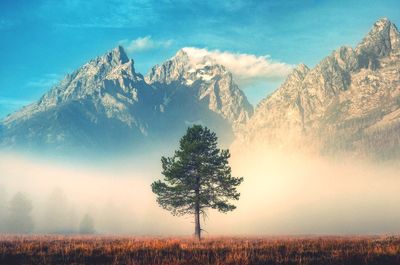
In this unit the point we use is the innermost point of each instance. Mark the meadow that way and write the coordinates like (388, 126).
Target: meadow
(377, 250)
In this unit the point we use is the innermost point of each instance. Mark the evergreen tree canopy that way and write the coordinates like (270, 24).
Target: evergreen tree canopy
(197, 177)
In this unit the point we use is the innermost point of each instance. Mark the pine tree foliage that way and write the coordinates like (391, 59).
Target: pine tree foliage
(197, 177)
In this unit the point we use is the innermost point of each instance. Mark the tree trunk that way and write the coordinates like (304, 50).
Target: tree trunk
(197, 228)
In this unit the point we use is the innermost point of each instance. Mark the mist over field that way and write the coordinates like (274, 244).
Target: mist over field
(283, 193)
(82, 156)
(200, 132)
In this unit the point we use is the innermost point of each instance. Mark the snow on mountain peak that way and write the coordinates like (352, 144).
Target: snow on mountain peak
(194, 69)
(186, 66)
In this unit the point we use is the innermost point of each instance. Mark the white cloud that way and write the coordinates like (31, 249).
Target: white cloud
(11, 102)
(47, 81)
(247, 69)
(8, 105)
(144, 43)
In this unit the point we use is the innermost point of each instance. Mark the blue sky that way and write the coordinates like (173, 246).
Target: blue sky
(42, 40)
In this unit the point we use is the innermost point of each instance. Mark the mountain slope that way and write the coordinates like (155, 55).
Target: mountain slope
(350, 102)
(101, 101)
(210, 82)
(105, 105)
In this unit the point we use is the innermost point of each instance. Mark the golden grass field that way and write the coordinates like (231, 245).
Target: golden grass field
(379, 250)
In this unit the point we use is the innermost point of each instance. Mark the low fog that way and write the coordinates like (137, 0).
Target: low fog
(282, 194)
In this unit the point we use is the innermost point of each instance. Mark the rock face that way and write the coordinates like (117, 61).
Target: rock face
(94, 106)
(210, 82)
(350, 102)
(105, 105)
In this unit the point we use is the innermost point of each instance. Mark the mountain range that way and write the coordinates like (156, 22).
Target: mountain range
(347, 103)
(106, 106)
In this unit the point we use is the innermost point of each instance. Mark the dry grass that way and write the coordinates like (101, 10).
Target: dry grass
(174, 251)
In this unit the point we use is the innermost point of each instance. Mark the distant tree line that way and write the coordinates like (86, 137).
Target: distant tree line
(16, 215)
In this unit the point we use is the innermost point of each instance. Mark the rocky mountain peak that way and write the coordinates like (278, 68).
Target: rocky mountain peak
(381, 40)
(170, 71)
(300, 71)
(118, 55)
(290, 88)
(109, 75)
(380, 24)
(181, 55)
(348, 103)
(197, 73)
(185, 67)
(297, 75)
(113, 66)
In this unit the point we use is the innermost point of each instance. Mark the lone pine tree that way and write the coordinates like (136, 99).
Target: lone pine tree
(197, 177)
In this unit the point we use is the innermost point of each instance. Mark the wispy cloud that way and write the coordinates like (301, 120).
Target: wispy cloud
(144, 43)
(46, 81)
(248, 69)
(13, 102)
(10, 104)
